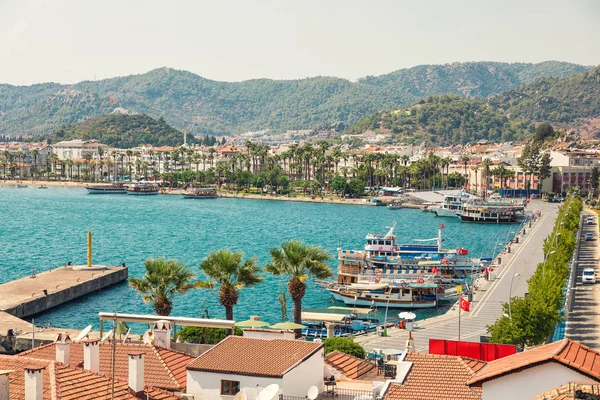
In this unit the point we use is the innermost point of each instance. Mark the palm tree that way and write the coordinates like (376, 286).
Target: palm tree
(225, 268)
(162, 280)
(475, 169)
(298, 261)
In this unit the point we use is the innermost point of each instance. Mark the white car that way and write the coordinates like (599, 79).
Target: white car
(588, 276)
(589, 221)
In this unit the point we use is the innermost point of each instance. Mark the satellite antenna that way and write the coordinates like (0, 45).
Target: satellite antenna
(126, 335)
(313, 392)
(106, 336)
(148, 338)
(83, 333)
(269, 392)
(240, 396)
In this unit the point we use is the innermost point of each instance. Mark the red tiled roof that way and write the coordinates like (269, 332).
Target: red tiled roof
(163, 368)
(435, 376)
(567, 352)
(351, 367)
(255, 357)
(62, 382)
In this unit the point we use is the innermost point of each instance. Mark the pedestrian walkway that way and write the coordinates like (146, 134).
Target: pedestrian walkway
(510, 277)
(583, 323)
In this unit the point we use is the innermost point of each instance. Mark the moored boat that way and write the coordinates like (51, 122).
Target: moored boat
(201, 193)
(106, 189)
(21, 186)
(42, 187)
(394, 206)
(407, 295)
(143, 189)
(491, 213)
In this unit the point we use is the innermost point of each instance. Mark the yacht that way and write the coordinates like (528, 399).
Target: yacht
(452, 206)
(106, 189)
(201, 193)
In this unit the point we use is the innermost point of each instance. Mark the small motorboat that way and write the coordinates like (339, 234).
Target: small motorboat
(42, 187)
(394, 206)
(20, 186)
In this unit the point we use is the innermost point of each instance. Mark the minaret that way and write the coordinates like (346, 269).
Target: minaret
(184, 138)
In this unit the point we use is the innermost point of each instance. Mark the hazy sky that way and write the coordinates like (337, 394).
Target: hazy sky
(73, 40)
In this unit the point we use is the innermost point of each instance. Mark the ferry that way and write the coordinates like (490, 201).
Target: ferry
(143, 189)
(452, 206)
(496, 213)
(386, 261)
(201, 193)
(106, 189)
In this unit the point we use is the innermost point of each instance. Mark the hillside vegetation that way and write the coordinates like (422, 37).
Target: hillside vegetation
(188, 101)
(123, 131)
(444, 120)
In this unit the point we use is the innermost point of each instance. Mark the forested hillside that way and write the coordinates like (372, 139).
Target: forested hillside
(188, 101)
(123, 131)
(445, 120)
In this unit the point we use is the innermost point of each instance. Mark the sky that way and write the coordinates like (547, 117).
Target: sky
(69, 41)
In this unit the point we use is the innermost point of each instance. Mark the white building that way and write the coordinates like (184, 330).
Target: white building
(76, 149)
(251, 364)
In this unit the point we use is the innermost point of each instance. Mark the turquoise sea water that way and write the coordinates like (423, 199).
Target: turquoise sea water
(42, 229)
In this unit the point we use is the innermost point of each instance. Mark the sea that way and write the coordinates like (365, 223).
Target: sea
(44, 229)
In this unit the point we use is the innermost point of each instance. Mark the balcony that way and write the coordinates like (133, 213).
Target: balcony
(338, 394)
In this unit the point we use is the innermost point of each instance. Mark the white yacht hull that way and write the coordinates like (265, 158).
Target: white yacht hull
(443, 212)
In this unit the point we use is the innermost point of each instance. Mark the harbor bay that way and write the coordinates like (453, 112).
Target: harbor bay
(48, 229)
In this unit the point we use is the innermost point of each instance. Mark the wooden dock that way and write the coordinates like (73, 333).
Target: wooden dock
(38, 293)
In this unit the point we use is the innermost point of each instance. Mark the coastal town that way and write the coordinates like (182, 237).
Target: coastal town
(299, 200)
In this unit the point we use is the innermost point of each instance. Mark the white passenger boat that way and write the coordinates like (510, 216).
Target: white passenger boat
(143, 189)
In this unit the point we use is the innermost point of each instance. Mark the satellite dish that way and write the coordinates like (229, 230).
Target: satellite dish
(269, 392)
(240, 396)
(106, 336)
(126, 335)
(407, 315)
(148, 339)
(83, 333)
(313, 392)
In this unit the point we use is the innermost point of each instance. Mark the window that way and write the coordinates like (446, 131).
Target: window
(230, 388)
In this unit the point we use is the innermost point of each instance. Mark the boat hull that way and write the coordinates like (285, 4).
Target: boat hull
(92, 190)
(442, 212)
(191, 196)
(350, 300)
(503, 220)
(134, 193)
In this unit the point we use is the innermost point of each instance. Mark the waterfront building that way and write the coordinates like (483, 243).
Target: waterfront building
(244, 363)
(571, 169)
(74, 149)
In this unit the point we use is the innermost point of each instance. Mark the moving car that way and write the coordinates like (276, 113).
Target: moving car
(589, 236)
(589, 221)
(588, 276)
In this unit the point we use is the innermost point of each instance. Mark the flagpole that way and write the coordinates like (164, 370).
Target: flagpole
(459, 310)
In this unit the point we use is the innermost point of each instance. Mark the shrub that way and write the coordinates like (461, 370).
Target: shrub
(196, 334)
(345, 345)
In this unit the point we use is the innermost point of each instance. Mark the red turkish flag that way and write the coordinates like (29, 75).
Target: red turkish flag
(434, 270)
(464, 305)
(111, 101)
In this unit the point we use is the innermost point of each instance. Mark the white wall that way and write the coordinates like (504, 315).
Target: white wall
(273, 334)
(531, 382)
(310, 373)
(207, 385)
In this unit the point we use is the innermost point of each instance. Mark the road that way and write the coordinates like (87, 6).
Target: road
(487, 302)
(583, 322)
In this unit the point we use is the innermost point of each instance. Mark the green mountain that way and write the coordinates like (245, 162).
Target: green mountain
(122, 131)
(444, 120)
(202, 106)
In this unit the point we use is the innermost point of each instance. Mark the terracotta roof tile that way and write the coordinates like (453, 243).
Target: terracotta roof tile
(349, 366)
(435, 376)
(62, 382)
(163, 368)
(256, 357)
(566, 352)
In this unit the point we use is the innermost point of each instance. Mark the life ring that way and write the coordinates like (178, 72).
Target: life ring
(377, 280)
(420, 280)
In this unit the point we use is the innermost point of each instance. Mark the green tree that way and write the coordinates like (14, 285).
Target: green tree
(595, 180)
(345, 345)
(543, 132)
(227, 269)
(163, 280)
(299, 262)
(202, 335)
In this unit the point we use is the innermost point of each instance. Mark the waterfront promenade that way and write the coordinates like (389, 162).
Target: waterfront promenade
(487, 302)
(583, 323)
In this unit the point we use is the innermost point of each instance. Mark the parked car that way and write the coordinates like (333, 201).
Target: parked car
(589, 236)
(588, 276)
(589, 221)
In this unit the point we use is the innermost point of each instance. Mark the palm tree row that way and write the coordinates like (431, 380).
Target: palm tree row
(230, 272)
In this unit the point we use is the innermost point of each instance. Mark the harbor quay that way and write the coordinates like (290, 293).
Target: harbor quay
(509, 278)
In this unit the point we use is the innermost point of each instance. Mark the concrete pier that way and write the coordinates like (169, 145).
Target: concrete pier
(35, 294)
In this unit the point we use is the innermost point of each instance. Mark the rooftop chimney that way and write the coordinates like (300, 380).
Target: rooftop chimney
(136, 373)
(91, 355)
(63, 348)
(162, 333)
(4, 385)
(34, 383)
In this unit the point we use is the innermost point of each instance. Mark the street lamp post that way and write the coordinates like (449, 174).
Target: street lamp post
(510, 293)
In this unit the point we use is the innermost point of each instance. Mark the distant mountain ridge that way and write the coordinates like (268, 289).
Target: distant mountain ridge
(202, 106)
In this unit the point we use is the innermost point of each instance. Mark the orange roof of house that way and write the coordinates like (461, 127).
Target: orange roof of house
(67, 383)
(436, 376)
(163, 368)
(255, 357)
(567, 352)
(351, 367)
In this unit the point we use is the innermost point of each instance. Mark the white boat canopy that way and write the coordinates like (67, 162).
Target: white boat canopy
(369, 286)
(322, 317)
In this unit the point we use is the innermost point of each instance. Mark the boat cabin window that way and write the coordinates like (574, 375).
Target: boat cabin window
(406, 291)
(395, 290)
(388, 242)
(370, 241)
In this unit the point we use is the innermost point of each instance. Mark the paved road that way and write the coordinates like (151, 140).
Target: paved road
(583, 322)
(487, 304)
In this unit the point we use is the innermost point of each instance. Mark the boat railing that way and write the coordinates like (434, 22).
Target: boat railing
(348, 270)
